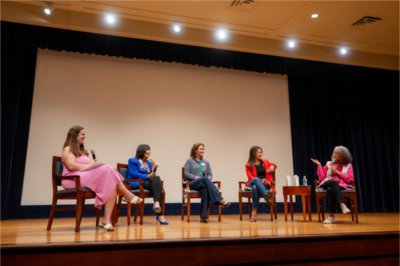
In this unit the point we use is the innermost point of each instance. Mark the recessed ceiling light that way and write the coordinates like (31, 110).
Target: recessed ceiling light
(176, 27)
(48, 10)
(314, 15)
(222, 34)
(110, 19)
(343, 50)
(291, 44)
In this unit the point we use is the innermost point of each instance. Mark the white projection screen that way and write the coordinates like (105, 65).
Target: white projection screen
(122, 103)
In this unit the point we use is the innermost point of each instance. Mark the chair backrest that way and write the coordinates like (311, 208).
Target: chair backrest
(56, 172)
(123, 169)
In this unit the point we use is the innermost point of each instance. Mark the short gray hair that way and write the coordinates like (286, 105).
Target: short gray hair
(345, 155)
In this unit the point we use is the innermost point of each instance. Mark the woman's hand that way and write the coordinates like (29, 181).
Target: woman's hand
(316, 162)
(153, 163)
(150, 176)
(271, 169)
(334, 169)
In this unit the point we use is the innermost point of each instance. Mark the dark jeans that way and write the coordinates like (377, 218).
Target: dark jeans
(155, 186)
(259, 190)
(209, 193)
(334, 194)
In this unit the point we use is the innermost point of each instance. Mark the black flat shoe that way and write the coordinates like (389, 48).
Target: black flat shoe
(204, 220)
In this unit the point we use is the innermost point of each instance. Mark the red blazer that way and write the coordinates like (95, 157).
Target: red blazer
(252, 172)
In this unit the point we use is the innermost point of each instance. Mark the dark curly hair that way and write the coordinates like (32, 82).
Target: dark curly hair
(141, 150)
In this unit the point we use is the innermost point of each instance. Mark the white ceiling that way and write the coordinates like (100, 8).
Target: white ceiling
(255, 26)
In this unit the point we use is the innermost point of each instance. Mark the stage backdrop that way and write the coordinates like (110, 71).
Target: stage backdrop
(122, 103)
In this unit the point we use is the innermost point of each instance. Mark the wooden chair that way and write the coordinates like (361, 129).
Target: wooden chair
(79, 194)
(243, 193)
(350, 194)
(140, 192)
(188, 194)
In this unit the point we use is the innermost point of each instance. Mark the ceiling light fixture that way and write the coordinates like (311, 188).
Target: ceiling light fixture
(221, 34)
(176, 27)
(110, 19)
(291, 44)
(48, 9)
(343, 50)
(314, 15)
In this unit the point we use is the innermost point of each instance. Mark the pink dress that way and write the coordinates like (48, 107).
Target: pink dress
(102, 180)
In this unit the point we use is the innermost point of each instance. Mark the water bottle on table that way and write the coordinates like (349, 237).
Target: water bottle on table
(304, 181)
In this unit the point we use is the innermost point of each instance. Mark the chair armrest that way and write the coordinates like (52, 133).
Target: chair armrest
(75, 178)
(242, 184)
(218, 183)
(128, 186)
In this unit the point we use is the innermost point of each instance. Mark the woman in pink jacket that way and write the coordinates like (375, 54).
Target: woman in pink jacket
(335, 176)
(259, 173)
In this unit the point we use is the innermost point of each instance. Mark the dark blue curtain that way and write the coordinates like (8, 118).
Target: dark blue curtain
(17, 80)
(361, 125)
(363, 116)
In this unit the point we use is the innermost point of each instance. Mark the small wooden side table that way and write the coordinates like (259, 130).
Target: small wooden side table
(304, 192)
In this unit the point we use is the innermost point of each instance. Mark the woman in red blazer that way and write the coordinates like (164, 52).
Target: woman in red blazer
(259, 172)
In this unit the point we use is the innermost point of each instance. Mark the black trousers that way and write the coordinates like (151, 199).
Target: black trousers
(334, 194)
(155, 186)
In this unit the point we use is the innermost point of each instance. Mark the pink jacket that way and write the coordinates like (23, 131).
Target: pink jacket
(346, 174)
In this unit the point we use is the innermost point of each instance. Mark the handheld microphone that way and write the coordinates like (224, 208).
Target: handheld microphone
(93, 154)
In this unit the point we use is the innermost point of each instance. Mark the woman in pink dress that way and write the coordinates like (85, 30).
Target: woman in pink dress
(103, 179)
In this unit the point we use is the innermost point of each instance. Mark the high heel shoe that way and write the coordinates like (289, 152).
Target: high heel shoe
(108, 227)
(134, 200)
(161, 222)
(157, 210)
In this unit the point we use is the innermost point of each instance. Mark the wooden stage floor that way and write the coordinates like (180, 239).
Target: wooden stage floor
(32, 232)
(374, 241)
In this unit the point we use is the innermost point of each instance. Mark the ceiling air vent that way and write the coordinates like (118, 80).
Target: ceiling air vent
(241, 2)
(367, 19)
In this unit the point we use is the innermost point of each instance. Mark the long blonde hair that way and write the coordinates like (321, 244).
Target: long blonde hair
(72, 141)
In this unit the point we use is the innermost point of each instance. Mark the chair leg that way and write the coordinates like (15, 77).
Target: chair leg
(356, 210)
(98, 217)
(137, 210)
(272, 207)
(219, 213)
(78, 214)
(51, 214)
(322, 210)
(163, 202)
(188, 209)
(240, 207)
(141, 211)
(271, 211)
(183, 207)
(318, 208)
(119, 204)
(352, 209)
(250, 207)
(114, 213)
(128, 212)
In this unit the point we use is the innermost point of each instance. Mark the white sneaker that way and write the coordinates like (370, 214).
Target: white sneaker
(345, 210)
(330, 220)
